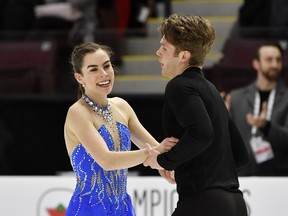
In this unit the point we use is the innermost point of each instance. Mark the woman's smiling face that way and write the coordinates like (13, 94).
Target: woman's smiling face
(97, 73)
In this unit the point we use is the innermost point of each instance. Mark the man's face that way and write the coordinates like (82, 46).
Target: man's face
(269, 63)
(168, 59)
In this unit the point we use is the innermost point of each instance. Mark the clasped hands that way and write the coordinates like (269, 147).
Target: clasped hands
(259, 121)
(151, 161)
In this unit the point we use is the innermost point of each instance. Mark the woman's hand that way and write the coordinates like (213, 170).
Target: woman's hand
(168, 175)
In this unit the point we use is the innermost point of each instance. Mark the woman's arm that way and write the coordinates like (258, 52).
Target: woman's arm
(139, 135)
(79, 122)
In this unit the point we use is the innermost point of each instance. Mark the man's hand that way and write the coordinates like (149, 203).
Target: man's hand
(259, 121)
(227, 98)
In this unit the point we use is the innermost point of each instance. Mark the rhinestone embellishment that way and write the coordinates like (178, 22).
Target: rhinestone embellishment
(105, 113)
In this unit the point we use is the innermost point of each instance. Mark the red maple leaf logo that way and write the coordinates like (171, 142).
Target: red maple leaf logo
(59, 211)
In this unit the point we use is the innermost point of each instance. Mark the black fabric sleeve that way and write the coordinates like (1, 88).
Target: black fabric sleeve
(190, 112)
(238, 146)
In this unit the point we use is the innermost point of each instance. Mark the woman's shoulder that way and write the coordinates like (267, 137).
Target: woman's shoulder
(118, 101)
(77, 108)
(76, 105)
(122, 106)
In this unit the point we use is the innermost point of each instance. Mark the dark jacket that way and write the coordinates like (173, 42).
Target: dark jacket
(242, 102)
(210, 148)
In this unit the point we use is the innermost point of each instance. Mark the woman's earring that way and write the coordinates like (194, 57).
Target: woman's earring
(83, 85)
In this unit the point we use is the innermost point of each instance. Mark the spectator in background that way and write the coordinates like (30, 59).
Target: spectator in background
(2, 12)
(262, 19)
(49, 19)
(18, 18)
(260, 110)
(62, 20)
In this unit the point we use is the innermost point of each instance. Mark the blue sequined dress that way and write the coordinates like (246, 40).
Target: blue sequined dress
(99, 192)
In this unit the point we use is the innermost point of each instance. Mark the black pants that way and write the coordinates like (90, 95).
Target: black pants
(213, 202)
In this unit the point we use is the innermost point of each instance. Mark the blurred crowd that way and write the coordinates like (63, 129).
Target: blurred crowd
(262, 19)
(77, 20)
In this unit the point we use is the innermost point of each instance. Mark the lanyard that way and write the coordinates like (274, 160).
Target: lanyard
(257, 105)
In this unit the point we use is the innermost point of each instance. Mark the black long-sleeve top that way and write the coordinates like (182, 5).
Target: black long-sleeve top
(210, 147)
